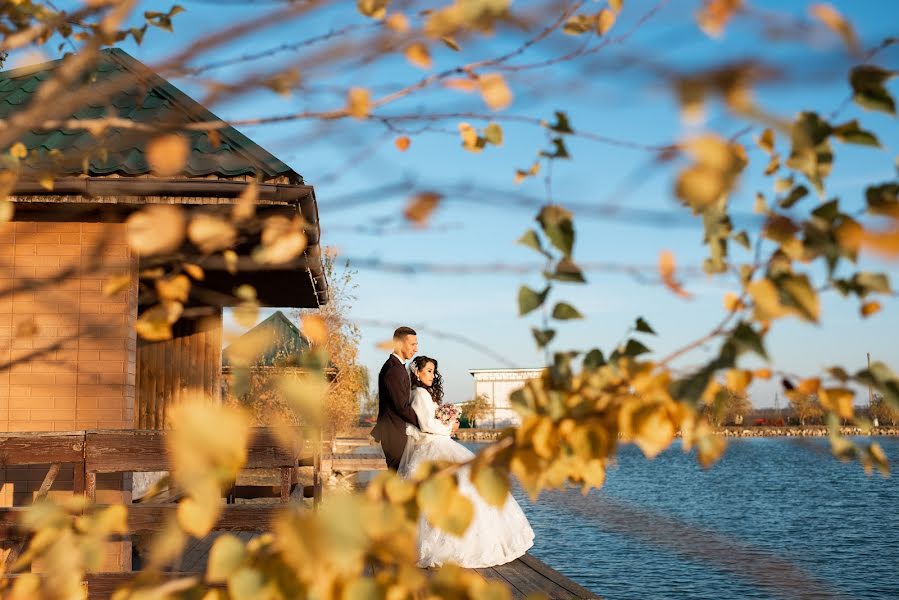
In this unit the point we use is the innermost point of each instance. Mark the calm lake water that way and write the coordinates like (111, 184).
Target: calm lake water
(775, 518)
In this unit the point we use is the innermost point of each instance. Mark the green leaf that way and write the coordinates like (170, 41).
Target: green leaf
(869, 92)
(528, 299)
(594, 359)
(225, 557)
(634, 348)
(543, 336)
(851, 133)
(881, 377)
(643, 327)
(557, 225)
(561, 125)
(827, 211)
(883, 199)
(800, 295)
(530, 239)
(492, 484)
(810, 153)
(494, 134)
(564, 311)
(560, 150)
(745, 338)
(796, 194)
(568, 271)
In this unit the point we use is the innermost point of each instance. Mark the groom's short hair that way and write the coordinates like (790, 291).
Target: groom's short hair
(402, 332)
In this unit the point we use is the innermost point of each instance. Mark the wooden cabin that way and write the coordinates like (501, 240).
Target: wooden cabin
(69, 356)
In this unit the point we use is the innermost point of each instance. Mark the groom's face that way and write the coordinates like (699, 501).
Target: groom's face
(408, 346)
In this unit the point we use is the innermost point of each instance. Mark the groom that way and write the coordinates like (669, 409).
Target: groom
(395, 398)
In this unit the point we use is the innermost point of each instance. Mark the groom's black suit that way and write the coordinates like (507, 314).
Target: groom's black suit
(394, 410)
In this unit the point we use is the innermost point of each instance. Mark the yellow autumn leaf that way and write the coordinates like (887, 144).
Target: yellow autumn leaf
(832, 18)
(762, 373)
(18, 150)
(173, 288)
(116, 284)
(402, 143)
(315, 329)
(195, 271)
(463, 84)
(231, 259)
(211, 233)
(46, 182)
(737, 380)
(397, 22)
(732, 302)
(494, 91)
(420, 207)
(245, 207)
(155, 323)
(715, 14)
(375, 9)
(358, 102)
(418, 55)
(870, 308)
(282, 239)
(838, 400)
(167, 154)
(470, 138)
(666, 273)
(616, 5)
(156, 229)
(604, 21)
(766, 141)
(653, 430)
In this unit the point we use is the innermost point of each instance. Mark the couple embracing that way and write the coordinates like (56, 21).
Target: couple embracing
(411, 433)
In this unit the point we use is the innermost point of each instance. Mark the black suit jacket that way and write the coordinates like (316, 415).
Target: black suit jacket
(394, 410)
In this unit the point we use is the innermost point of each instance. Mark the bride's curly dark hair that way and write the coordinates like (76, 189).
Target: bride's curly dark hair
(436, 389)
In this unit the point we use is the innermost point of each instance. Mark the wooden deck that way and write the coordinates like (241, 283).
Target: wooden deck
(525, 576)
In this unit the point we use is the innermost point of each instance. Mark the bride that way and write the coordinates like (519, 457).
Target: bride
(496, 535)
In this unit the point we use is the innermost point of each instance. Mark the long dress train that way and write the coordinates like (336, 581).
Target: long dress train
(495, 536)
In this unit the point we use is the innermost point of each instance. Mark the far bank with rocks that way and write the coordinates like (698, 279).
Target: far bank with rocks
(486, 435)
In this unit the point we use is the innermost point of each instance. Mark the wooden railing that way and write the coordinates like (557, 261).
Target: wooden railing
(124, 451)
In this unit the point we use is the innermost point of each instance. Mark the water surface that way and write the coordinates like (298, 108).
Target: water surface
(775, 518)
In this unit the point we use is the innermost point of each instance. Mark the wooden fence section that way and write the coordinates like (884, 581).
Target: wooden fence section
(166, 370)
(123, 451)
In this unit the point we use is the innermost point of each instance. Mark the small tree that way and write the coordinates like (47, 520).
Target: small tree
(736, 406)
(475, 408)
(805, 406)
(883, 412)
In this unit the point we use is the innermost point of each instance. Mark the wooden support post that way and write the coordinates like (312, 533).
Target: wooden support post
(91, 486)
(285, 483)
(316, 469)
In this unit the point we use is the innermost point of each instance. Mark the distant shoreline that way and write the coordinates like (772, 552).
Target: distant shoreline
(736, 431)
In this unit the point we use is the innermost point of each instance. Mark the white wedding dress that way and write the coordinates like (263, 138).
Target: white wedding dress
(495, 536)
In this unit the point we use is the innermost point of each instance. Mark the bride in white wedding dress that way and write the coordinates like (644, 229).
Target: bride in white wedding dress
(496, 535)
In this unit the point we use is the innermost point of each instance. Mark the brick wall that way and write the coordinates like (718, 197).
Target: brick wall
(67, 350)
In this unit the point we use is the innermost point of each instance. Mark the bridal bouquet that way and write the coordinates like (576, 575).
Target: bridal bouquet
(447, 413)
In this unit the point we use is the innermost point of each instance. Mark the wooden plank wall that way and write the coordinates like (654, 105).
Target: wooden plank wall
(167, 370)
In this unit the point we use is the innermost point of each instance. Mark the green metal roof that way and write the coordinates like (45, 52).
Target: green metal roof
(150, 100)
(273, 342)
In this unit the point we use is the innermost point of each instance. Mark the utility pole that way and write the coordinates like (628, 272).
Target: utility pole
(870, 393)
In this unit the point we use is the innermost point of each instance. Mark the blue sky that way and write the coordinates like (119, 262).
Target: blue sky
(606, 97)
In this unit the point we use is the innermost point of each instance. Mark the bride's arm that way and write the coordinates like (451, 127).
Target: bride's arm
(424, 408)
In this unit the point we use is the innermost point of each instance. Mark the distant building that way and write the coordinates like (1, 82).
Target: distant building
(497, 386)
(274, 342)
